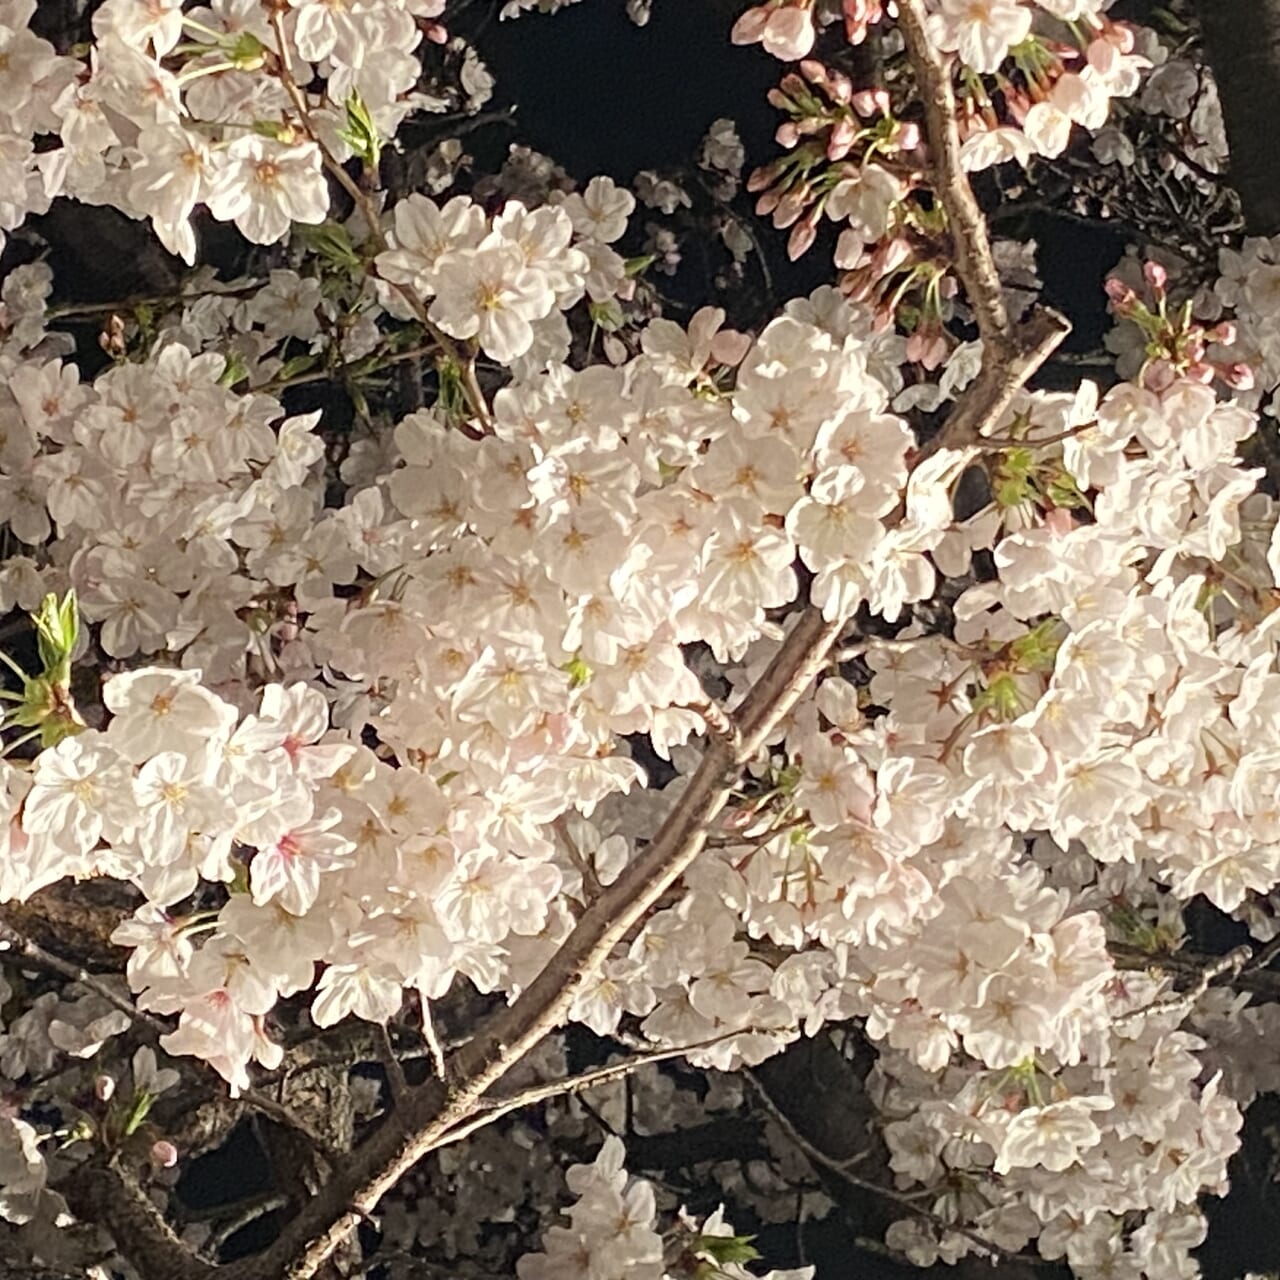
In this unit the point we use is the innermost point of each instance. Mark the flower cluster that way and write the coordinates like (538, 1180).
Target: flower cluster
(394, 719)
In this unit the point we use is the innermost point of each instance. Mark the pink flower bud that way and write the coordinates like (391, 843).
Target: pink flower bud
(791, 206)
(760, 178)
(1059, 520)
(750, 26)
(1159, 376)
(1156, 276)
(856, 286)
(840, 88)
(908, 135)
(787, 134)
(801, 238)
(814, 72)
(1238, 376)
(864, 102)
(164, 1155)
(768, 202)
(1224, 333)
(891, 255)
(1121, 294)
(843, 135)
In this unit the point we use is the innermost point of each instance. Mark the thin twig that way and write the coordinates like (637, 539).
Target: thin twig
(842, 1169)
(464, 362)
(396, 1082)
(1009, 356)
(435, 1049)
(19, 948)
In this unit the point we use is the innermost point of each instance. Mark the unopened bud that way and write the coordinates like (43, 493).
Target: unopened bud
(840, 88)
(865, 103)
(1238, 375)
(104, 1087)
(813, 71)
(1156, 276)
(908, 135)
(164, 1155)
(803, 234)
(1120, 294)
(843, 135)
(791, 206)
(787, 134)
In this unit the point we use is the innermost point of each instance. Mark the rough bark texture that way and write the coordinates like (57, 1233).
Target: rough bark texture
(1242, 41)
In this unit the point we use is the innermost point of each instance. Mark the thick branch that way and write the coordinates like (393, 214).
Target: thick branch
(975, 264)
(111, 1199)
(1009, 355)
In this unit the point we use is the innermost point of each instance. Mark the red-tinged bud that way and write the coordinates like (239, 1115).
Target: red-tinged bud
(802, 236)
(1238, 376)
(778, 100)
(164, 1155)
(749, 28)
(787, 134)
(927, 347)
(435, 33)
(908, 135)
(891, 255)
(882, 318)
(871, 102)
(791, 206)
(856, 285)
(768, 202)
(1202, 373)
(792, 85)
(843, 135)
(761, 178)
(104, 1087)
(1224, 333)
(1159, 376)
(1120, 294)
(1156, 276)
(813, 71)
(1119, 34)
(840, 88)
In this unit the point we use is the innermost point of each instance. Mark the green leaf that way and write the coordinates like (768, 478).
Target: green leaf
(235, 370)
(726, 1250)
(331, 242)
(361, 134)
(298, 364)
(138, 1111)
(57, 629)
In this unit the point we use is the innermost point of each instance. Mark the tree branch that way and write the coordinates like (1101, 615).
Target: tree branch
(431, 1112)
(1010, 355)
(975, 264)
